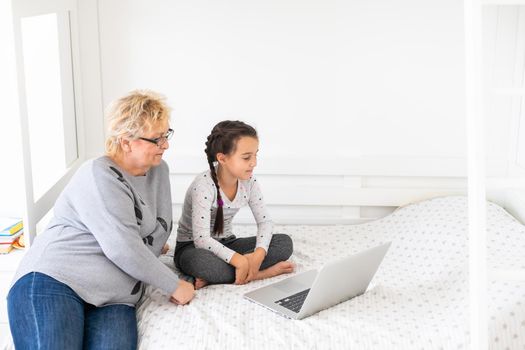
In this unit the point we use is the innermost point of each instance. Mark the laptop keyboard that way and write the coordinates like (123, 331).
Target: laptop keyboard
(294, 302)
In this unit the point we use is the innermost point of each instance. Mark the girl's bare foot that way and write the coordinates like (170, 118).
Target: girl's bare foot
(199, 283)
(276, 270)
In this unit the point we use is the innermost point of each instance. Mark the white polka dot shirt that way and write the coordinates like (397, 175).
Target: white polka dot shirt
(200, 208)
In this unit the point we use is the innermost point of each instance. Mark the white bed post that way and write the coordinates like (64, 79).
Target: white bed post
(476, 177)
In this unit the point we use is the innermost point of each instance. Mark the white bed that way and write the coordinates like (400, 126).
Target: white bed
(417, 300)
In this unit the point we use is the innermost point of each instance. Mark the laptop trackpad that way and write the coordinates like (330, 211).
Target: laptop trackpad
(290, 286)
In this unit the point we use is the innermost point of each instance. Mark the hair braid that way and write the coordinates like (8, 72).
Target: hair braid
(223, 139)
(218, 227)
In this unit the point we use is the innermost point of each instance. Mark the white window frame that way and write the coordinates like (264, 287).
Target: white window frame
(66, 11)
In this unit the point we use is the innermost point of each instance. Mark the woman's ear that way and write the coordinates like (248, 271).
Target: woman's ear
(125, 145)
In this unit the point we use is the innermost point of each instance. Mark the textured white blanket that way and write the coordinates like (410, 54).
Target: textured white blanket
(417, 300)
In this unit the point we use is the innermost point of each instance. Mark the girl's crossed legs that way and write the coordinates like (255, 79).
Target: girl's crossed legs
(206, 266)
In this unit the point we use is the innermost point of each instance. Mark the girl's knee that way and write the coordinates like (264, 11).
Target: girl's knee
(206, 265)
(284, 244)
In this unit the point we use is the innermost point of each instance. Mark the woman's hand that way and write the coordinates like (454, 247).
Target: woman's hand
(242, 266)
(255, 260)
(183, 294)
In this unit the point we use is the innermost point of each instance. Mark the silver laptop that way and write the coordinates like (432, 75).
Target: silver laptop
(305, 294)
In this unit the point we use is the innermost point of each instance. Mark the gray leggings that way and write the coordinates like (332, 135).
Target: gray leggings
(202, 263)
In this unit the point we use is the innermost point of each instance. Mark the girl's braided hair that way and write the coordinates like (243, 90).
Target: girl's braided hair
(223, 139)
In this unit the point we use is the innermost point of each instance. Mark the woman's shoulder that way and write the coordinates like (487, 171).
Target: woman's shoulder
(89, 165)
(100, 163)
(88, 173)
(103, 164)
(101, 169)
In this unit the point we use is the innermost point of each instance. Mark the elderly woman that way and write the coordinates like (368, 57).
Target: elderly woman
(78, 285)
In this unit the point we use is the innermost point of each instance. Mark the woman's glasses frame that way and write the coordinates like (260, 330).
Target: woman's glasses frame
(159, 141)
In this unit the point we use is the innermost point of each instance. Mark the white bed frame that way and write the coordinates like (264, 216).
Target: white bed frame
(338, 191)
(355, 189)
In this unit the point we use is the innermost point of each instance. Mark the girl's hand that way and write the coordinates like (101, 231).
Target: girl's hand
(165, 249)
(183, 294)
(255, 260)
(242, 266)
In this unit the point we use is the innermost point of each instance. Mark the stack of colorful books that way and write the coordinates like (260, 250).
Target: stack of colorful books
(11, 231)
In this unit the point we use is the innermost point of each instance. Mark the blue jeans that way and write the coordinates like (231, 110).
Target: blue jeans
(46, 314)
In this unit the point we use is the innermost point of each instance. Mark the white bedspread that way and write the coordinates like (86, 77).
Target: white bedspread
(417, 300)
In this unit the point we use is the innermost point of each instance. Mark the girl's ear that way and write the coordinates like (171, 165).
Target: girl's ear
(221, 158)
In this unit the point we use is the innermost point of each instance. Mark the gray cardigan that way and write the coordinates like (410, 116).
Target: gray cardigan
(106, 235)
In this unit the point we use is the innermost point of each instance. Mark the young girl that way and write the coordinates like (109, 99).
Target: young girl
(206, 247)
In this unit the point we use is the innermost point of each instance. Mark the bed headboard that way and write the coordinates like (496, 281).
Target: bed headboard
(338, 190)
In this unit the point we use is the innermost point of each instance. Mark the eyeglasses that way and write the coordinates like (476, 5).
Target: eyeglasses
(159, 141)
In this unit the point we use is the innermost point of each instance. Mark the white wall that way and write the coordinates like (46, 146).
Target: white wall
(351, 99)
(504, 67)
(316, 77)
(91, 80)
(504, 82)
(12, 192)
(499, 28)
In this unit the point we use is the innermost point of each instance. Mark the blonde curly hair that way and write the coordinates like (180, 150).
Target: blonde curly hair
(133, 115)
